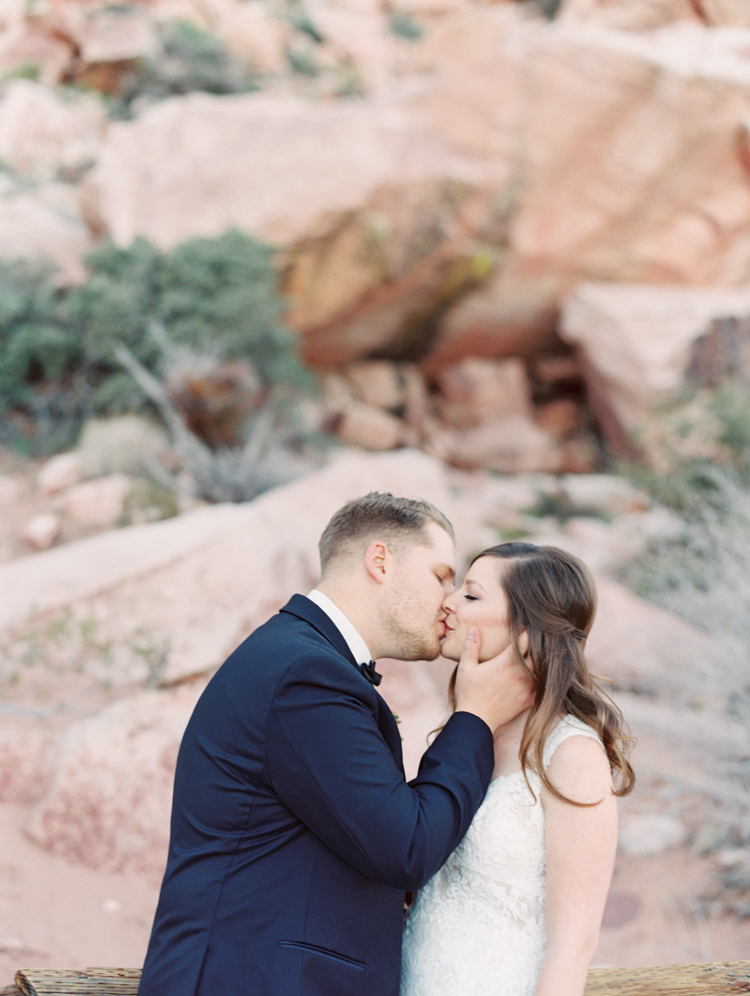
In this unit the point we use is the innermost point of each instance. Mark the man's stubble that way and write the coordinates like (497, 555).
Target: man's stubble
(408, 630)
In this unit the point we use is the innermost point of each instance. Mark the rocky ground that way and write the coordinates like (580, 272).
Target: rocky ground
(108, 636)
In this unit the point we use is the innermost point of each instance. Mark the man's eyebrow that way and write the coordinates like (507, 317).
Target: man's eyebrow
(450, 572)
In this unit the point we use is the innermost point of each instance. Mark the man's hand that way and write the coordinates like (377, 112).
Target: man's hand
(496, 690)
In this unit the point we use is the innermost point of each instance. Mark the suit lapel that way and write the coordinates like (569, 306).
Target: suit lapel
(304, 608)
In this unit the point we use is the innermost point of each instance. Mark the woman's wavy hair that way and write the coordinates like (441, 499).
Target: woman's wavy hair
(551, 595)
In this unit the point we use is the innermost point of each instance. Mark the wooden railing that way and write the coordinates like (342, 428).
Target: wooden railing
(705, 979)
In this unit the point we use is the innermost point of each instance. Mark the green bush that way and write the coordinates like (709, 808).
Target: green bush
(222, 293)
(36, 347)
(189, 59)
(217, 295)
(301, 21)
(117, 300)
(403, 25)
(715, 423)
(731, 406)
(302, 61)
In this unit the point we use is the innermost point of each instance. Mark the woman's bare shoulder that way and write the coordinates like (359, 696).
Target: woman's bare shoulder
(580, 770)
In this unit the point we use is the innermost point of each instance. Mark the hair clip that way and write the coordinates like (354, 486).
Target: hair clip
(579, 634)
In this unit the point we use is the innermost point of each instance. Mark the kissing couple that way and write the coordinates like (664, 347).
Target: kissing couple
(294, 835)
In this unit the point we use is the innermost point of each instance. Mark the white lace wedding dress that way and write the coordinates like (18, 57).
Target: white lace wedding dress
(477, 927)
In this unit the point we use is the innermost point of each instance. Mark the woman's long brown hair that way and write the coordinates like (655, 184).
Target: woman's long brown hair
(551, 595)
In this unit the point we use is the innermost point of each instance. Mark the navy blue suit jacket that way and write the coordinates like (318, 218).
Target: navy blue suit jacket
(294, 834)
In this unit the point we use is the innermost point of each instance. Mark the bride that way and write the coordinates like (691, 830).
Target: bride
(516, 909)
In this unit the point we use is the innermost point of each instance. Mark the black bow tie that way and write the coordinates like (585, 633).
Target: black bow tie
(368, 670)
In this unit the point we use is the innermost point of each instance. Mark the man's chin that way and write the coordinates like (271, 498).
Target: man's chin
(416, 647)
(424, 652)
(445, 649)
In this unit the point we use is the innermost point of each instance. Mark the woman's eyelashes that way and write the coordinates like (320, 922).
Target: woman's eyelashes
(471, 598)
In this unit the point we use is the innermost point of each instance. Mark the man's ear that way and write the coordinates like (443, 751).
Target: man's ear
(523, 643)
(376, 560)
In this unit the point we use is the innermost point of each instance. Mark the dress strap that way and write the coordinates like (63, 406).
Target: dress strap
(569, 726)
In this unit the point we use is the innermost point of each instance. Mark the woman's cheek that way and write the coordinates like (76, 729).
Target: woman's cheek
(494, 641)
(454, 642)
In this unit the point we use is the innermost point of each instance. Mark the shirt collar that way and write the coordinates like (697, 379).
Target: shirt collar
(354, 641)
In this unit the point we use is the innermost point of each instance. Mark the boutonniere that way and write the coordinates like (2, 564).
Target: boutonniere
(398, 721)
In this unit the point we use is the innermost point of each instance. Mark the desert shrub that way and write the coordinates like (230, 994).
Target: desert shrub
(731, 406)
(42, 394)
(680, 488)
(23, 71)
(206, 302)
(117, 300)
(265, 458)
(302, 61)
(239, 474)
(171, 324)
(403, 25)
(689, 438)
(189, 58)
(37, 349)
(560, 506)
(704, 576)
(301, 21)
(223, 292)
(217, 295)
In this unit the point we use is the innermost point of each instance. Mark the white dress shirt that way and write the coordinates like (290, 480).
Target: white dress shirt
(354, 641)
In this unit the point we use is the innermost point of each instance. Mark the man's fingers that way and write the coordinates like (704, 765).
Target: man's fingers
(470, 653)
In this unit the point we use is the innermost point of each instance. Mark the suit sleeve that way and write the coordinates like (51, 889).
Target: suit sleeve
(329, 764)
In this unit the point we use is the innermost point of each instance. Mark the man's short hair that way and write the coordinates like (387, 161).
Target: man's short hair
(378, 515)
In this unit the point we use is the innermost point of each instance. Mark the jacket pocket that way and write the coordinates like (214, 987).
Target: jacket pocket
(323, 953)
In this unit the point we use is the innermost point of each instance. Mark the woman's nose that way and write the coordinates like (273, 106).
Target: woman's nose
(449, 602)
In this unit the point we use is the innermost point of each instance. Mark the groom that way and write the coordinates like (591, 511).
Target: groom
(294, 835)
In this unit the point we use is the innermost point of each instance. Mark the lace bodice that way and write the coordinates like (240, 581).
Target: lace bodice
(477, 927)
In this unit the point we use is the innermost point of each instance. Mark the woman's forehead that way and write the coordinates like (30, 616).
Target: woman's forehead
(487, 570)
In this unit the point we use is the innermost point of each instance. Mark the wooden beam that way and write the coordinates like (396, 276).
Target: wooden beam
(89, 982)
(705, 979)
